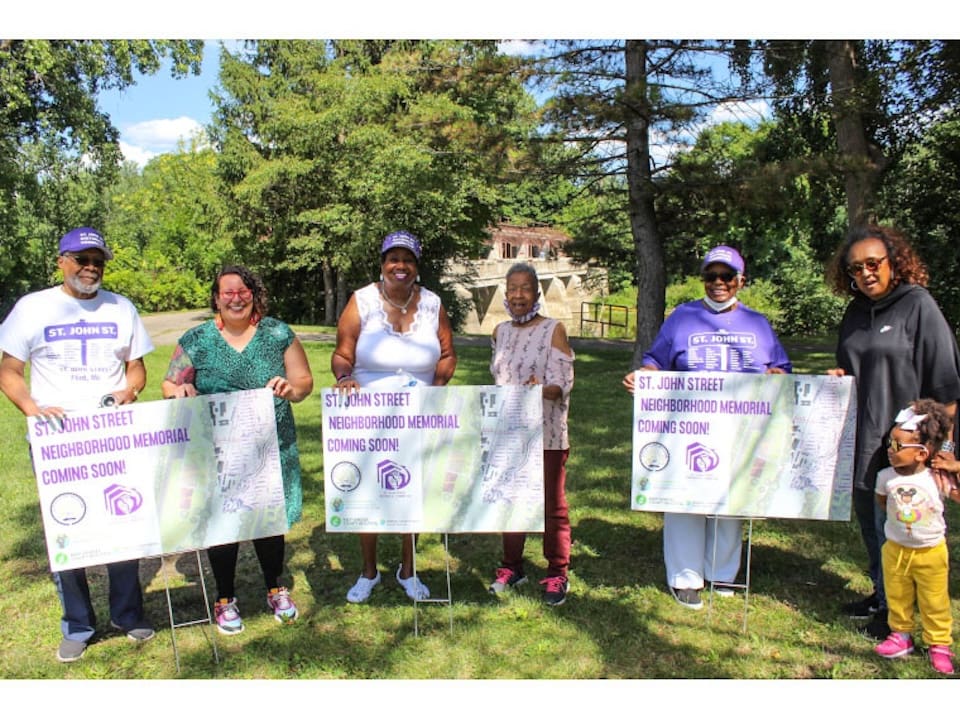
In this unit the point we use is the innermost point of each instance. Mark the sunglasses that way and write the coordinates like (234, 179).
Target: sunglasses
(727, 277)
(896, 446)
(84, 260)
(244, 294)
(870, 265)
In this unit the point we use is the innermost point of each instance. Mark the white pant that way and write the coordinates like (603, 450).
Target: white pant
(688, 549)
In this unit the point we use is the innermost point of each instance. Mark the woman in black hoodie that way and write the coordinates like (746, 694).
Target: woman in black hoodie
(895, 341)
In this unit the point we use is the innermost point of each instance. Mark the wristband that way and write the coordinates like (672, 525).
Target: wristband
(341, 378)
(947, 446)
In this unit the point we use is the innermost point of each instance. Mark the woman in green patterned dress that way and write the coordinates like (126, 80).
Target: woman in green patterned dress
(243, 349)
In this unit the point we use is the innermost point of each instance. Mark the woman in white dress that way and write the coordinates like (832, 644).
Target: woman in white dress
(393, 333)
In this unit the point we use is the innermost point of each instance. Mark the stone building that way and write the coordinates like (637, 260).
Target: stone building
(564, 284)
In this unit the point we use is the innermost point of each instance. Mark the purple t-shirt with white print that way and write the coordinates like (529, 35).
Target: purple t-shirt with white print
(693, 338)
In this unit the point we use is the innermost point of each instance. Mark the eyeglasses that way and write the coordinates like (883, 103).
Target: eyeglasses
(727, 277)
(84, 260)
(245, 294)
(870, 265)
(896, 446)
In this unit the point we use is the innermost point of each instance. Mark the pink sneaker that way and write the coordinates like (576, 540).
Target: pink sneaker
(940, 659)
(896, 645)
(284, 611)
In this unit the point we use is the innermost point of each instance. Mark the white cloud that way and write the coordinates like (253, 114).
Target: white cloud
(745, 111)
(162, 135)
(134, 154)
(143, 141)
(519, 48)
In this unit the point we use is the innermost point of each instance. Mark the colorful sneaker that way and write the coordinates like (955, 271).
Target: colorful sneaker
(555, 590)
(227, 616)
(506, 579)
(415, 589)
(940, 659)
(284, 611)
(896, 645)
(362, 588)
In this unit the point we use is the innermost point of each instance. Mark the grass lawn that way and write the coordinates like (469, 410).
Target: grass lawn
(619, 621)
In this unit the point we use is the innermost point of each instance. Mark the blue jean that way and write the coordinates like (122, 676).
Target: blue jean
(871, 518)
(79, 622)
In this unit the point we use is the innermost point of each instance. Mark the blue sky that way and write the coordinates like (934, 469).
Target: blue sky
(158, 111)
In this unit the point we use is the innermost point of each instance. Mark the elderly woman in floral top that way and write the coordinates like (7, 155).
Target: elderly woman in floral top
(531, 349)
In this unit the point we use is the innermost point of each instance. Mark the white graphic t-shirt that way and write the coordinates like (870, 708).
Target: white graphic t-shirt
(914, 508)
(77, 349)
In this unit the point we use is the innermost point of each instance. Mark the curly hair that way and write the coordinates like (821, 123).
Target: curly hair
(936, 426)
(250, 279)
(905, 264)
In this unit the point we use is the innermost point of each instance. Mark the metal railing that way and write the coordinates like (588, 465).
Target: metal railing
(604, 315)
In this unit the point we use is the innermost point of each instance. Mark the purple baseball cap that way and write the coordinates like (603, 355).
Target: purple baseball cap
(403, 239)
(84, 238)
(723, 254)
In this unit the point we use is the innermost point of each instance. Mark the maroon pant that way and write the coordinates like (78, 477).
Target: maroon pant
(556, 520)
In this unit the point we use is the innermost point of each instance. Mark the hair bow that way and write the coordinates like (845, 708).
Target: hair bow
(907, 419)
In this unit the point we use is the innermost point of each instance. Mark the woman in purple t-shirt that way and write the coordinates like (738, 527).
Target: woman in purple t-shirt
(714, 334)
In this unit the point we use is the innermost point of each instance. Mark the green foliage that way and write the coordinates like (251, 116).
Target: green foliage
(152, 283)
(327, 147)
(923, 196)
(58, 151)
(167, 226)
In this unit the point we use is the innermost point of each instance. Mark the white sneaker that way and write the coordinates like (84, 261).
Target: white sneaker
(362, 588)
(721, 590)
(416, 590)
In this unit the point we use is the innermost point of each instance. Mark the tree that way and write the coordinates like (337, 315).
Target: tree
(923, 195)
(167, 227)
(327, 146)
(610, 99)
(49, 122)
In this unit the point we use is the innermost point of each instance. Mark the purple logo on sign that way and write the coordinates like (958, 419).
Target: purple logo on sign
(122, 500)
(392, 476)
(700, 458)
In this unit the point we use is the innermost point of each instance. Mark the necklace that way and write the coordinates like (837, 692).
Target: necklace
(402, 308)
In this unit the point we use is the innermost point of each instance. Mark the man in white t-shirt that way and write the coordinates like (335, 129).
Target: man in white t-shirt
(85, 347)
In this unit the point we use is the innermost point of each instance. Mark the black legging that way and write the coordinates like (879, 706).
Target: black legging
(223, 562)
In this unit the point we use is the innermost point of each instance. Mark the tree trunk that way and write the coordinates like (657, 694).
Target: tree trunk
(651, 278)
(859, 170)
(330, 310)
(342, 295)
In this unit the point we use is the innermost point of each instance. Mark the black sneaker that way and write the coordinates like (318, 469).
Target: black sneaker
(71, 650)
(688, 597)
(555, 590)
(876, 628)
(863, 609)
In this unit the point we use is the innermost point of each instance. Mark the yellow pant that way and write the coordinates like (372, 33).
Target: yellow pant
(917, 577)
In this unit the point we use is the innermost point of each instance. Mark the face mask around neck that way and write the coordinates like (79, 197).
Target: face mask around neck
(720, 307)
